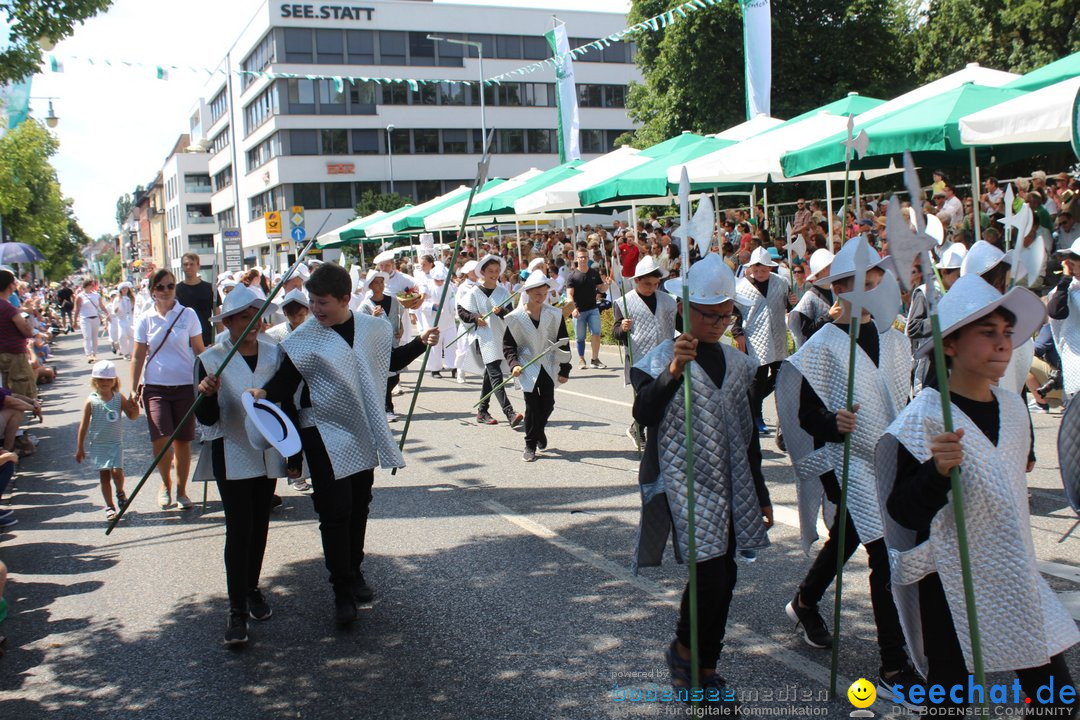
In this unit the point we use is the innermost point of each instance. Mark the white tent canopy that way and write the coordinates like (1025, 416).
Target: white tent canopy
(754, 126)
(563, 195)
(1042, 116)
(450, 216)
(334, 236)
(386, 227)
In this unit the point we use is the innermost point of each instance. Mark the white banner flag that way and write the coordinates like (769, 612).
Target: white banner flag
(565, 94)
(757, 48)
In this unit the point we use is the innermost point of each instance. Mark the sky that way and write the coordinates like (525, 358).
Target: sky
(117, 124)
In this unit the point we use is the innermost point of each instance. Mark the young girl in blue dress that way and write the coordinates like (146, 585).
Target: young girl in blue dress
(102, 425)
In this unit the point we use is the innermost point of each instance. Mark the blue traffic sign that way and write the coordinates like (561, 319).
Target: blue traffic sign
(298, 234)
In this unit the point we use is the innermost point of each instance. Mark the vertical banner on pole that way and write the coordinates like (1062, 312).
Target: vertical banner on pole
(565, 93)
(757, 49)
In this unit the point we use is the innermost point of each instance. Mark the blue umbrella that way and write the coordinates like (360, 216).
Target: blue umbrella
(17, 252)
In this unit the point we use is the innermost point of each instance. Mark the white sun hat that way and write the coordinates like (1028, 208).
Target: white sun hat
(268, 426)
(239, 300)
(384, 256)
(820, 259)
(646, 266)
(953, 257)
(103, 369)
(843, 263)
(491, 258)
(296, 295)
(981, 258)
(971, 298)
(467, 268)
(761, 256)
(710, 281)
(536, 279)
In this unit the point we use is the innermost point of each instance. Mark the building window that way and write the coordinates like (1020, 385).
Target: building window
(428, 189)
(592, 56)
(427, 94)
(592, 141)
(259, 59)
(486, 41)
(335, 142)
(611, 136)
(539, 94)
(590, 96)
(361, 47)
(451, 94)
(614, 96)
(535, 48)
(365, 142)
(223, 179)
(451, 54)
(219, 105)
(309, 195)
(511, 141)
(392, 47)
(263, 153)
(339, 195)
(541, 142)
(199, 214)
(220, 142)
(615, 52)
(455, 142)
(301, 94)
(426, 141)
(259, 110)
(196, 183)
(399, 142)
(508, 47)
(260, 204)
(298, 45)
(303, 142)
(331, 100)
(203, 244)
(510, 95)
(421, 50)
(227, 218)
(395, 94)
(362, 98)
(330, 47)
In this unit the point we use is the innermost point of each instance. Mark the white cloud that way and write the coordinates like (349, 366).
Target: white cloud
(117, 124)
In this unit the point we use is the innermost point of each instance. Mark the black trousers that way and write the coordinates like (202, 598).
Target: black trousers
(890, 635)
(391, 383)
(946, 658)
(763, 385)
(538, 407)
(247, 522)
(716, 580)
(342, 505)
(493, 375)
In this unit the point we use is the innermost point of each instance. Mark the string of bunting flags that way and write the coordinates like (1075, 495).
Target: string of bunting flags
(653, 24)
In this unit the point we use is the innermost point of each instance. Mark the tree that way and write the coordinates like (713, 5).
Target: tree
(124, 205)
(822, 49)
(29, 21)
(114, 269)
(372, 202)
(1014, 35)
(31, 205)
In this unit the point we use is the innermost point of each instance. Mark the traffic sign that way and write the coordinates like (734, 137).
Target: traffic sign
(296, 216)
(298, 233)
(273, 224)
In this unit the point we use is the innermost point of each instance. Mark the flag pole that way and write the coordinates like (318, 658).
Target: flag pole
(221, 368)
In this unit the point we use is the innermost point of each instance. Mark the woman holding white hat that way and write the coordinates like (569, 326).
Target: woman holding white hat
(245, 474)
(1023, 626)
(733, 508)
(918, 321)
(815, 307)
(530, 331)
(762, 298)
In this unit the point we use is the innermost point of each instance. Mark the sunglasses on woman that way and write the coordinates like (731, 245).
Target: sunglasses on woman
(162, 287)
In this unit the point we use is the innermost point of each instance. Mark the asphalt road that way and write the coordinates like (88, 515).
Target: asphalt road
(502, 587)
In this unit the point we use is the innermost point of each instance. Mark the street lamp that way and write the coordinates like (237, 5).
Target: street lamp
(52, 119)
(479, 54)
(390, 155)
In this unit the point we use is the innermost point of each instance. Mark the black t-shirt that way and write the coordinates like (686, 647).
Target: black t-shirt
(584, 284)
(66, 298)
(199, 298)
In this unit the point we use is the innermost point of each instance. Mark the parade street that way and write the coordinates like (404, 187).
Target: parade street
(502, 588)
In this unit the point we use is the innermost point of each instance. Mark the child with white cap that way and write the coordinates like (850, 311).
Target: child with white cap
(530, 331)
(816, 307)
(102, 431)
(918, 320)
(1023, 627)
(443, 356)
(489, 299)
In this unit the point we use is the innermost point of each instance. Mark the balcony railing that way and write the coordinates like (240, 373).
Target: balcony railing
(201, 219)
(197, 188)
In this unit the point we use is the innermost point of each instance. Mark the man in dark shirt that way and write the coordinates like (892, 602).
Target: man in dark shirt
(197, 294)
(66, 296)
(582, 286)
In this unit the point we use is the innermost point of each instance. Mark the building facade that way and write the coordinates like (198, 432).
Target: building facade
(190, 224)
(273, 143)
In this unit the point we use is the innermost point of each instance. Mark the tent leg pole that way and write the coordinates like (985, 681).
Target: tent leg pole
(858, 197)
(976, 209)
(765, 206)
(829, 209)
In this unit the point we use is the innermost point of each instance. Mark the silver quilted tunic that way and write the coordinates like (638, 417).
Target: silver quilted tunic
(490, 337)
(810, 305)
(1021, 622)
(880, 391)
(1067, 339)
(763, 319)
(348, 389)
(242, 461)
(278, 332)
(724, 487)
(532, 340)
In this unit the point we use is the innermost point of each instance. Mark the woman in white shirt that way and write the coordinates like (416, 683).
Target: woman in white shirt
(125, 313)
(168, 336)
(89, 309)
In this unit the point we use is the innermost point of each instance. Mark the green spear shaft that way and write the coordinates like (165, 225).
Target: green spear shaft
(510, 379)
(486, 316)
(221, 368)
(691, 525)
(481, 174)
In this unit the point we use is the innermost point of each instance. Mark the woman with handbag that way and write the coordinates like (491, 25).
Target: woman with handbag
(168, 336)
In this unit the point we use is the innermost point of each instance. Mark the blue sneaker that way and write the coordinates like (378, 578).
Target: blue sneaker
(762, 428)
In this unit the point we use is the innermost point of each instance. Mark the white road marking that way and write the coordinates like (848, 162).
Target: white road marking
(594, 397)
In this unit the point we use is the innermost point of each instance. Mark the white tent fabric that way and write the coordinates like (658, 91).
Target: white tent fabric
(334, 236)
(748, 129)
(563, 195)
(1042, 116)
(386, 227)
(450, 216)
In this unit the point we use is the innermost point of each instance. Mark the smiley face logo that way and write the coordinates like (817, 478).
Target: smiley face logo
(862, 693)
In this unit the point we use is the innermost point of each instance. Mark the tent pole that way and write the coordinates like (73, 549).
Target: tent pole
(765, 205)
(976, 208)
(858, 197)
(517, 239)
(829, 210)
(716, 210)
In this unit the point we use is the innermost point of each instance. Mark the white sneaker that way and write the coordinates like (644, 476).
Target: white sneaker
(461, 377)
(391, 417)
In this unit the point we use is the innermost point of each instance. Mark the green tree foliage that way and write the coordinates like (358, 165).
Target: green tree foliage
(1014, 35)
(372, 202)
(28, 21)
(822, 49)
(33, 210)
(114, 269)
(124, 205)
